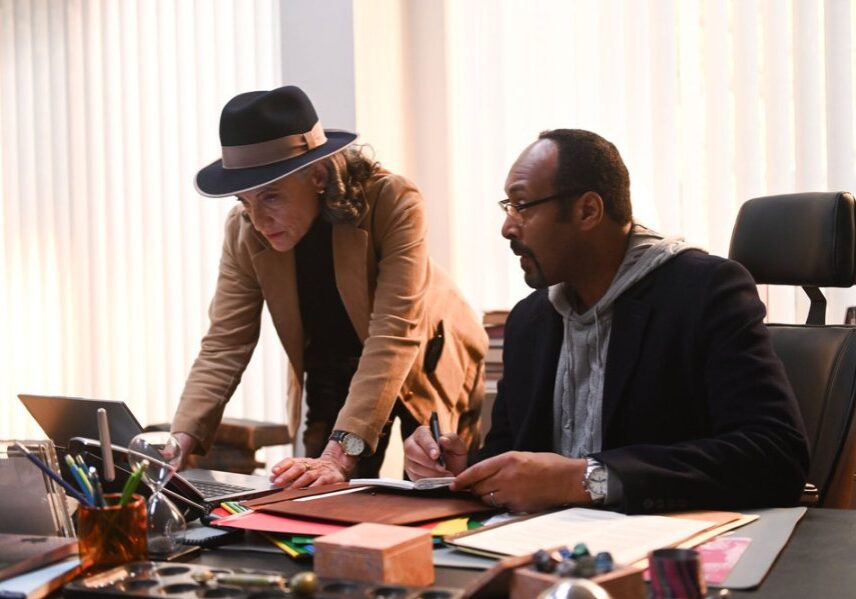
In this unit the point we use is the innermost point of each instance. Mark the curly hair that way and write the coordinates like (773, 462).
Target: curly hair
(343, 200)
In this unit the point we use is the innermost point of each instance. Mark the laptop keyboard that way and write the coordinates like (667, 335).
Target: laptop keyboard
(212, 489)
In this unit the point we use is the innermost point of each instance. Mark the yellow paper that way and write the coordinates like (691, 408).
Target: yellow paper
(449, 527)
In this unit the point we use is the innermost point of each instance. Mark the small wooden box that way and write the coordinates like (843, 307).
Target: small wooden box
(623, 583)
(376, 553)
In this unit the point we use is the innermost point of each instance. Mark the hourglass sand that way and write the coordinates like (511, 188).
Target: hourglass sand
(166, 525)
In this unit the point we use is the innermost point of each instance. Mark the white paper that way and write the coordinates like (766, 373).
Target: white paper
(627, 538)
(423, 484)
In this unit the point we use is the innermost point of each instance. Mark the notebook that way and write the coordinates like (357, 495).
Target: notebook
(344, 504)
(71, 424)
(22, 553)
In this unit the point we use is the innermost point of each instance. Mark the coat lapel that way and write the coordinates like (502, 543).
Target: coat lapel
(629, 321)
(349, 261)
(542, 343)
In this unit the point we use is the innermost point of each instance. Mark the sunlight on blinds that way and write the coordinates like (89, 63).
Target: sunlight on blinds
(710, 104)
(109, 257)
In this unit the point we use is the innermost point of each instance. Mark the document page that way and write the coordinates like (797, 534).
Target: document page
(627, 538)
(423, 484)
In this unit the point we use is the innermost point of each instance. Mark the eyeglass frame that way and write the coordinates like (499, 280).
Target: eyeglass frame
(512, 209)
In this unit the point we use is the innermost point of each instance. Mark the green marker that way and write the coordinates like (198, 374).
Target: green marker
(132, 482)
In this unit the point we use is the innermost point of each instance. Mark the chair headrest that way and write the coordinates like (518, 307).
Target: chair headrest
(806, 239)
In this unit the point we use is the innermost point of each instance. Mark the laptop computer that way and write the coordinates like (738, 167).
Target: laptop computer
(70, 422)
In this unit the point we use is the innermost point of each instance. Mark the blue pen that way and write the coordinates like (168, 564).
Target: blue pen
(96, 487)
(81, 479)
(56, 477)
(83, 468)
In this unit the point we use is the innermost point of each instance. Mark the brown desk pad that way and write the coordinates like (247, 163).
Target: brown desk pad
(384, 506)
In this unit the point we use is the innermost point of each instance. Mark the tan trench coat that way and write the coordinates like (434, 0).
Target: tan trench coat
(395, 297)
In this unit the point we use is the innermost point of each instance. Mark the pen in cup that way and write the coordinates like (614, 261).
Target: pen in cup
(80, 477)
(435, 432)
(97, 490)
(56, 477)
(132, 482)
(107, 466)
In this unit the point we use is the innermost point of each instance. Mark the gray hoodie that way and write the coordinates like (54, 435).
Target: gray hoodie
(578, 393)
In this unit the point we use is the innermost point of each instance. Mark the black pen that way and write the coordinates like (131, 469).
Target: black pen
(435, 432)
(97, 491)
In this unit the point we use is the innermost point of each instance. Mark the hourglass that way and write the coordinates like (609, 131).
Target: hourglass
(162, 454)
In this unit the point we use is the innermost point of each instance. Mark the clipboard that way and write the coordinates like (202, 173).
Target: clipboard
(372, 504)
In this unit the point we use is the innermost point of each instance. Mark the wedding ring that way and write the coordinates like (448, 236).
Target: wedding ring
(492, 497)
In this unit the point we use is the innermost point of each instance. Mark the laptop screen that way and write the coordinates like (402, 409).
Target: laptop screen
(65, 417)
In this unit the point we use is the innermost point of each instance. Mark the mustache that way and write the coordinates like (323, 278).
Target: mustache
(520, 250)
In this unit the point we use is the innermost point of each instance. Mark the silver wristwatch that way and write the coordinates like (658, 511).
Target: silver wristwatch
(352, 444)
(595, 480)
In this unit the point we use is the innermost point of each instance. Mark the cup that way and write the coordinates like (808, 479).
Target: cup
(676, 574)
(112, 535)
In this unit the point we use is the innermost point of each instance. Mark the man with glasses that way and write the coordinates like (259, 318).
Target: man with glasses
(639, 375)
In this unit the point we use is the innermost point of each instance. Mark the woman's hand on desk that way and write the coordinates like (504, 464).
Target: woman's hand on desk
(522, 481)
(421, 455)
(332, 467)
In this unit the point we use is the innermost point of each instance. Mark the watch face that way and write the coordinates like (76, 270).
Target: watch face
(598, 475)
(353, 445)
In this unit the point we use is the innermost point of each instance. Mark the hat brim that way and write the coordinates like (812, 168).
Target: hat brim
(214, 181)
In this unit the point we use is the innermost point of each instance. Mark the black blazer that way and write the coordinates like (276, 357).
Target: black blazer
(697, 410)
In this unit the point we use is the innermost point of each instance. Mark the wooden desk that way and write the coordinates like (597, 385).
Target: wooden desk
(817, 562)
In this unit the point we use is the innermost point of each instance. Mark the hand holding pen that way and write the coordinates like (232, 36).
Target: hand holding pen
(423, 451)
(435, 433)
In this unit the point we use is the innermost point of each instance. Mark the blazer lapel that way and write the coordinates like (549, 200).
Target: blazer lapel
(546, 344)
(349, 261)
(629, 320)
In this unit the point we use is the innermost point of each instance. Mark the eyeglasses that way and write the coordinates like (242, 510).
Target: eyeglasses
(514, 209)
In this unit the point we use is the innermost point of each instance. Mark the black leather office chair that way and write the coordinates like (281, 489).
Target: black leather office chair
(809, 239)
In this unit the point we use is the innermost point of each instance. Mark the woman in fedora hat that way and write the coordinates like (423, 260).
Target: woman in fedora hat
(334, 245)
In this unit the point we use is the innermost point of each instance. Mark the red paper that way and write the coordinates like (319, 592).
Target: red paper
(270, 523)
(719, 556)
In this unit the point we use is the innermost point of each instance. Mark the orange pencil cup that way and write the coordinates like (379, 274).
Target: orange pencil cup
(112, 535)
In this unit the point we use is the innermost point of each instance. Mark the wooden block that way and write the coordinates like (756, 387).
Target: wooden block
(623, 583)
(376, 553)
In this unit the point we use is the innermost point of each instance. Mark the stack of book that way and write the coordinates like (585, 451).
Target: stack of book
(494, 325)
